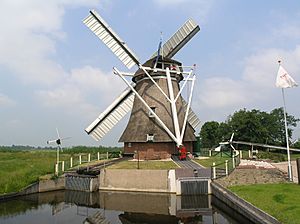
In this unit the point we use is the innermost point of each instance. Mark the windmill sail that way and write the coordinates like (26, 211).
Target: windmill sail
(179, 39)
(102, 30)
(124, 103)
(112, 115)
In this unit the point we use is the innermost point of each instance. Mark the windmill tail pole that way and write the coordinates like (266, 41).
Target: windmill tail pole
(173, 107)
(287, 138)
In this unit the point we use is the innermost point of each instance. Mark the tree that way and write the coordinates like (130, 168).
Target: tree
(276, 126)
(297, 144)
(250, 126)
(209, 134)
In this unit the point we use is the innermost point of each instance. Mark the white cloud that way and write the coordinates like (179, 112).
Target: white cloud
(30, 30)
(256, 85)
(5, 101)
(261, 68)
(95, 79)
(222, 92)
(84, 90)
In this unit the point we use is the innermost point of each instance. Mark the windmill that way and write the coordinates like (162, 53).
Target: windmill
(58, 142)
(161, 121)
(221, 146)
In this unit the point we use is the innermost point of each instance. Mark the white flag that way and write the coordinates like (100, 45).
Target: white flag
(284, 80)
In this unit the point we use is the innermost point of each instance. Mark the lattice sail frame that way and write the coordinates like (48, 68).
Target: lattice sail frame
(178, 133)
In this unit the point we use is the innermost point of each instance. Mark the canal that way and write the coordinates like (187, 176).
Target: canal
(116, 208)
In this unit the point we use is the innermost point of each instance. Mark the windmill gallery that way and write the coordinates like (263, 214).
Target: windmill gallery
(161, 122)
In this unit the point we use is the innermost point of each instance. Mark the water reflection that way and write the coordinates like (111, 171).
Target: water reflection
(115, 208)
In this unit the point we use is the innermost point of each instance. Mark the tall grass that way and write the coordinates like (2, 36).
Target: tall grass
(20, 167)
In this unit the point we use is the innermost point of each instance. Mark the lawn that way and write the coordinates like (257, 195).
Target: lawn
(279, 200)
(145, 165)
(210, 160)
(217, 159)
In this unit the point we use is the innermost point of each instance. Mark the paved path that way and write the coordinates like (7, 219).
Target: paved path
(186, 163)
(283, 166)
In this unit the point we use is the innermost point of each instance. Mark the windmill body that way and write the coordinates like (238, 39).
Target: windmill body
(161, 121)
(143, 133)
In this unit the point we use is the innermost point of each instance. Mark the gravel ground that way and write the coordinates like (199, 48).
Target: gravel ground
(283, 166)
(253, 174)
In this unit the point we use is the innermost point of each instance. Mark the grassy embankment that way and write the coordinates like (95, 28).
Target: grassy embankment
(145, 165)
(19, 168)
(279, 200)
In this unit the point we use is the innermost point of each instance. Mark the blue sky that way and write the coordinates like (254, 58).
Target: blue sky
(55, 73)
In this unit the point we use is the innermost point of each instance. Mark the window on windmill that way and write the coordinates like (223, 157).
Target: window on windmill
(150, 137)
(150, 112)
(129, 144)
(159, 65)
(171, 67)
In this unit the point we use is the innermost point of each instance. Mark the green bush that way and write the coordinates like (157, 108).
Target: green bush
(275, 157)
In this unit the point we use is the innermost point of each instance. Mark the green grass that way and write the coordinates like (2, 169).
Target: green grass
(19, 168)
(279, 200)
(145, 165)
(213, 159)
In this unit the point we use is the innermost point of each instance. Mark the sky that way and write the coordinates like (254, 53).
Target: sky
(55, 73)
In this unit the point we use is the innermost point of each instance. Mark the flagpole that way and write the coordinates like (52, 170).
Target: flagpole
(284, 80)
(287, 138)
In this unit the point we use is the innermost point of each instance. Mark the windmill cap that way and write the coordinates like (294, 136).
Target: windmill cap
(167, 62)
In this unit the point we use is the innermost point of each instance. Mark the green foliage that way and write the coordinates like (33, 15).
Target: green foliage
(275, 157)
(89, 149)
(296, 144)
(279, 200)
(250, 126)
(209, 134)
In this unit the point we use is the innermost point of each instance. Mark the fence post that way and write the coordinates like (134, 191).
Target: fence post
(79, 159)
(298, 169)
(226, 167)
(209, 153)
(56, 169)
(63, 166)
(214, 170)
(233, 161)
(98, 155)
(249, 154)
(107, 155)
(71, 162)
(241, 154)
(89, 157)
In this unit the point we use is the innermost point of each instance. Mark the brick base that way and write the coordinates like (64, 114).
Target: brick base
(154, 151)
